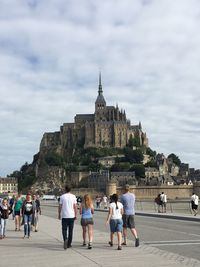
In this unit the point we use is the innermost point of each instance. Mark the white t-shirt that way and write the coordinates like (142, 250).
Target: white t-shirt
(116, 213)
(105, 199)
(195, 198)
(67, 201)
(163, 198)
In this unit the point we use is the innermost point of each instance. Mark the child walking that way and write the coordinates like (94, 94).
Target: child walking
(115, 219)
(87, 211)
(5, 211)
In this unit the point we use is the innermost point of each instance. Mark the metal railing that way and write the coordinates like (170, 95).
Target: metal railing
(173, 206)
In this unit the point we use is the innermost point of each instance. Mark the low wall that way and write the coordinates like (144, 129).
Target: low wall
(150, 192)
(83, 191)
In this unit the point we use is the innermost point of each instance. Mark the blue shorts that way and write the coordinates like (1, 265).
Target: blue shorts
(116, 225)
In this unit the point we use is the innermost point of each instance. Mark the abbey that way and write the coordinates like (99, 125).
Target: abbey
(108, 126)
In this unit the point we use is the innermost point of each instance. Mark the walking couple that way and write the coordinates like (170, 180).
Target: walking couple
(68, 212)
(121, 216)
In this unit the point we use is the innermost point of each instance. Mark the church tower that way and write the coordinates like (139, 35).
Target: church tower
(100, 103)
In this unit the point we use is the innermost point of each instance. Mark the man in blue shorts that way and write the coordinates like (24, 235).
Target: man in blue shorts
(128, 201)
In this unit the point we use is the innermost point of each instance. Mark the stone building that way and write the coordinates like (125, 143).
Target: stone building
(122, 178)
(8, 185)
(107, 126)
(99, 180)
(109, 161)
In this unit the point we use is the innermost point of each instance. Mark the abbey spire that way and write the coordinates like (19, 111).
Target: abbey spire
(100, 101)
(100, 85)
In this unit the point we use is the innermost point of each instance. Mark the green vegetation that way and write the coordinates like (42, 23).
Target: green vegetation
(175, 159)
(120, 167)
(133, 156)
(139, 170)
(26, 177)
(152, 164)
(53, 159)
(134, 141)
(151, 153)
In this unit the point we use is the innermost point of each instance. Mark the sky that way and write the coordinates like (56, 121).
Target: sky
(51, 52)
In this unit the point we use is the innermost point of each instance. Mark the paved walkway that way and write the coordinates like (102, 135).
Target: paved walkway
(45, 248)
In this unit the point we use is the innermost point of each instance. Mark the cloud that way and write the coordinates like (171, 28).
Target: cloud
(51, 52)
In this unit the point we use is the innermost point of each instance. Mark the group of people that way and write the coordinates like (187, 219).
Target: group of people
(25, 212)
(101, 202)
(161, 201)
(120, 217)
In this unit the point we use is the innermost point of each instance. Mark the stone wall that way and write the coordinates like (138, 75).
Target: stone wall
(150, 192)
(82, 191)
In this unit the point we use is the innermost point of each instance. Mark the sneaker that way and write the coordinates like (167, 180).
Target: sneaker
(89, 245)
(110, 243)
(124, 244)
(137, 242)
(84, 244)
(119, 248)
(65, 244)
(69, 246)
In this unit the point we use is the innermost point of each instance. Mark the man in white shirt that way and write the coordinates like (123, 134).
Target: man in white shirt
(163, 198)
(194, 203)
(67, 210)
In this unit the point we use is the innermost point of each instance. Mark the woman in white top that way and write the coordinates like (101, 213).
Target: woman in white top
(115, 218)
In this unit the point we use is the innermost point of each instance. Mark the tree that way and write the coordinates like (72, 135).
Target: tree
(175, 159)
(134, 141)
(120, 167)
(131, 142)
(139, 170)
(24, 167)
(150, 152)
(152, 164)
(133, 156)
(94, 167)
(53, 159)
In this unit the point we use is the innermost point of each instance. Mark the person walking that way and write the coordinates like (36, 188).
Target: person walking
(128, 201)
(18, 212)
(37, 209)
(98, 202)
(86, 212)
(5, 211)
(105, 202)
(11, 205)
(28, 211)
(163, 198)
(67, 210)
(115, 219)
(158, 202)
(194, 203)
